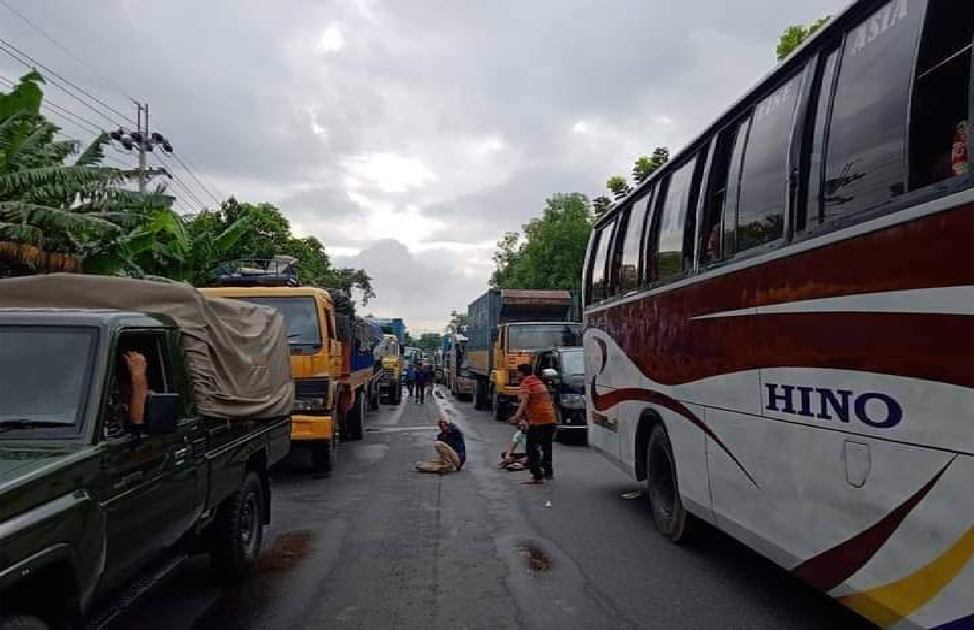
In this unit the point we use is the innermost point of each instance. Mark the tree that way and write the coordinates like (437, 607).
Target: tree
(430, 342)
(646, 166)
(601, 205)
(618, 186)
(79, 208)
(458, 322)
(552, 252)
(793, 36)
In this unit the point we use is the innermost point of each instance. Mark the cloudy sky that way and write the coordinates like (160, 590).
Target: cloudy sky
(408, 135)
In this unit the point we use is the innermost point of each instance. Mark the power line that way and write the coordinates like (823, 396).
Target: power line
(211, 184)
(197, 179)
(66, 114)
(51, 39)
(185, 183)
(177, 181)
(80, 89)
(59, 86)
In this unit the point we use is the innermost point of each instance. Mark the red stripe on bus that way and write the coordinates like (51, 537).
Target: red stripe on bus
(836, 565)
(604, 402)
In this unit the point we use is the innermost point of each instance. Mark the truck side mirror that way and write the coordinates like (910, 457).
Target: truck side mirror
(161, 412)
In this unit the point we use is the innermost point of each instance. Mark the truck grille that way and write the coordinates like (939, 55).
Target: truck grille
(311, 387)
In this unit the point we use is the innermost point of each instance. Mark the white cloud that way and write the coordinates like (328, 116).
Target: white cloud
(331, 40)
(389, 172)
(661, 119)
(580, 126)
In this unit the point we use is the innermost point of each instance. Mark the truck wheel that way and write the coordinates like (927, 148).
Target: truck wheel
(671, 518)
(323, 455)
(499, 406)
(238, 531)
(373, 399)
(479, 395)
(355, 420)
(23, 622)
(396, 396)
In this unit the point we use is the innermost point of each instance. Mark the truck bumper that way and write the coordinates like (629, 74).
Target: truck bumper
(508, 392)
(305, 428)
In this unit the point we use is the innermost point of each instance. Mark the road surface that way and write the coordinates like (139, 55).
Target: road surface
(377, 545)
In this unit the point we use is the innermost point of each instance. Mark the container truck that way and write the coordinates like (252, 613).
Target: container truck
(506, 328)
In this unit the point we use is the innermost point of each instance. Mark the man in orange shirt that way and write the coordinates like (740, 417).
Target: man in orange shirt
(535, 405)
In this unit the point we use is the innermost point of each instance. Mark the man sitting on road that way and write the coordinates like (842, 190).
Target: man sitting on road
(451, 451)
(512, 459)
(536, 406)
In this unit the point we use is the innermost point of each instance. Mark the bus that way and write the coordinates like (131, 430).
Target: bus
(780, 321)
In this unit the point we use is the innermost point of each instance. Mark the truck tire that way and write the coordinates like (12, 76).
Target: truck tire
(238, 531)
(395, 397)
(355, 420)
(671, 518)
(23, 622)
(324, 455)
(499, 406)
(480, 395)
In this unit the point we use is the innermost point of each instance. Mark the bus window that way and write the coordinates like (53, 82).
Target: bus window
(761, 202)
(939, 124)
(865, 159)
(716, 204)
(632, 244)
(672, 222)
(601, 240)
(815, 204)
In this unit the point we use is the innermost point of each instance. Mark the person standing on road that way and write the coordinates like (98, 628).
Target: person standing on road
(535, 405)
(409, 379)
(420, 376)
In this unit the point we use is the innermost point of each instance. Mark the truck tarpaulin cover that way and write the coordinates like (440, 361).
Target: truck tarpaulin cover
(237, 352)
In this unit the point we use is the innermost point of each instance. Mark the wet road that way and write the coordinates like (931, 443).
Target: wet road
(377, 545)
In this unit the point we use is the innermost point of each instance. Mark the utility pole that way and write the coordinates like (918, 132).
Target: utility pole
(143, 140)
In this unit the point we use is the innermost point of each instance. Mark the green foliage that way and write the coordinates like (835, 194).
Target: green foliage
(618, 186)
(646, 166)
(458, 322)
(793, 36)
(430, 342)
(601, 205)
(551, 254)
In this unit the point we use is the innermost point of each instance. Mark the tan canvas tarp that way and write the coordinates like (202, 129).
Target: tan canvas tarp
(237, 352)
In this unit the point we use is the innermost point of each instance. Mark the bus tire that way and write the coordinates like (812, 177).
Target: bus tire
(23, 622)
(355, 420)
(671, 517)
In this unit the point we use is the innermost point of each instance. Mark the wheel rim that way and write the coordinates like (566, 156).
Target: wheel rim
(663, 488)
(249, 524)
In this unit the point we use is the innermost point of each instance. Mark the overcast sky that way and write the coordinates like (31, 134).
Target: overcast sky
(409, 135)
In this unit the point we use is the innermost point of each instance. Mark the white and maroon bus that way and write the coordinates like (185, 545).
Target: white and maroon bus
(780, 322)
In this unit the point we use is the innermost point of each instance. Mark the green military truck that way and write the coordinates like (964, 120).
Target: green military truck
(95, 509)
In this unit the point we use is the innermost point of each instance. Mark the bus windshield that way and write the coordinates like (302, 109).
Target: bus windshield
(541, 336)
(301, 317)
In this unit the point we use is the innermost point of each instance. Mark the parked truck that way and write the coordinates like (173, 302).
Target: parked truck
(507, 327)
(335, 378)
(391, 358)
(96, 506)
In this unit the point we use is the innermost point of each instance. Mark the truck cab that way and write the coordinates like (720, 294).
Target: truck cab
(522, 342)
(98, 501)
(390, 356)
(316, 362)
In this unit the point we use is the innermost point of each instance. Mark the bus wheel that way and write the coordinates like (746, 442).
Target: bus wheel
(672, 519)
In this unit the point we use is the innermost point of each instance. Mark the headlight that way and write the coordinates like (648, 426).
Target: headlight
(573, 401)
(309, 404)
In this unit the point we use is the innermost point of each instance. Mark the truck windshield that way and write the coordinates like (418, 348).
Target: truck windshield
(573, 362)
(301, 317)
(44, 376)
(541, 336)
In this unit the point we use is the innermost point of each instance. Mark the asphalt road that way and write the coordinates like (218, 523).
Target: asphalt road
(377, 545)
